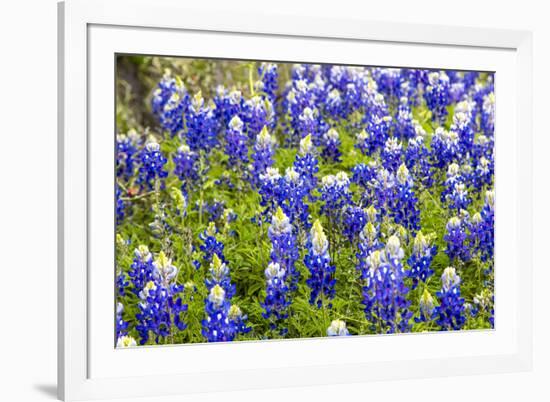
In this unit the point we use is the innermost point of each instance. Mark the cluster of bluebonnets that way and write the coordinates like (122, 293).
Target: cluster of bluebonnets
(307, 200)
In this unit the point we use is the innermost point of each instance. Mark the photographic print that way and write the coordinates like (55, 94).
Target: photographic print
(263, 200)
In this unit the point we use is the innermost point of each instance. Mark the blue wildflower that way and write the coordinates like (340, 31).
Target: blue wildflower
(186, 167)
(335, 194)
(337, 328)
(217, 326)
(331, 144)
(426, 307)
(307, 165)
(436, 94)
(392, 154)
(161, 307)
(277, 299)
(210, 245)
(456, 238)
(127, 155)
(450, 312)
(385, 293)
(201, 125)
(262, 156)
(421, 259)
(269, 75)
(152, 166)
(236, 144)
(284, 248)
(321, 281)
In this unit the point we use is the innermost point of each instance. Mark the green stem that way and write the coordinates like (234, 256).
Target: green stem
(251, 78)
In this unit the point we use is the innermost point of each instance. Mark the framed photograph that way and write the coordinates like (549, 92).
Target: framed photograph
(250, 201)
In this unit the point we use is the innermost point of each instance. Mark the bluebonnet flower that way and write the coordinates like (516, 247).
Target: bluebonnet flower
(293, 199)
(458, 198)
(485, 304)
(384, 293)
(456, 238)
(389, 82)
(321, 281)
(210, 245)
(218, 274)
(201, 125)
(258, 113)
(352, 99)
(453, 177)
(335, 194)
(484, 171)
(142, 269)
(227, 105)
(299, 107)
(384, 190)
(374, 137)
(310, 122)
(269, 75)
(468, 174)
(445, 147)
(364, 174)
(272, 187)
(488, 114)
(164, 90)
(120, 206)
(334, 105)
(462, 125)
(306, 164)
(262, 156)
(483, 146)
(170, 102)
(426, 307)
(186, 167)
(277, 299)
(450, 312)
(126, 155)
(284, 248)
(436, 94)
(417, 161)
(421, 259)
(391, 154)
(337, 328)
(456, 91)
(339, 77)
(375, 105)
(482, 229)
(455, 192)
(331, 144)
(239, 319)
(404, 209)
(217, 326)
(354, 220)
(404, 126)
(121, 325)
(235, 145)
(213, 209)
(223, 321)
(368, 243)
(126, 341)
(152, 166)
(161, 307)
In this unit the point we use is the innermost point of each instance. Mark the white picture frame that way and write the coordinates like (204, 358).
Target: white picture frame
(92, 31)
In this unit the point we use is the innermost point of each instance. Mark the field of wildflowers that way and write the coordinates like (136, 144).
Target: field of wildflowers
(272, 200)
